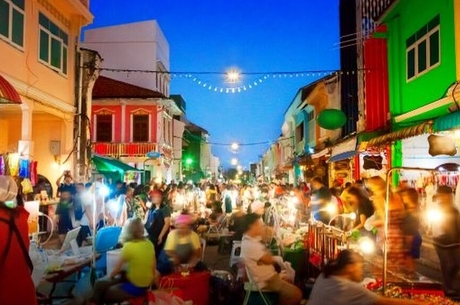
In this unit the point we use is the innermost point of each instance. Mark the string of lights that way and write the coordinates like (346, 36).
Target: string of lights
(274, 74)
(200, 140)
(234, 83)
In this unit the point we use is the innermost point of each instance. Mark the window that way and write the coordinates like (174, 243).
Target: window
(104, 128)
(140, 128)
(423, 49)
(299, 133)
(12, 21)
(53, 45)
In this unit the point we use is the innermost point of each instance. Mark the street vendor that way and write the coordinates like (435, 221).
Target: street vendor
(321, 196)
(339, 284)
(182, 247)
(260, 263)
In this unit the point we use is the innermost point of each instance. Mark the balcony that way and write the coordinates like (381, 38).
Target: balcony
(300, 147)
(118, 150)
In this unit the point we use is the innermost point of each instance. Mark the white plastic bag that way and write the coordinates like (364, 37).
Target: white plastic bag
(164, 297)
(289, 272)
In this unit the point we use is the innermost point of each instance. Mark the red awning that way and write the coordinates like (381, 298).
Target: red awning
(8, 95)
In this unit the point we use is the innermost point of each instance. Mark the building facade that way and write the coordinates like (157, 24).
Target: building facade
(130, 123)
(423, 77)
(133, 46)
(39, 47)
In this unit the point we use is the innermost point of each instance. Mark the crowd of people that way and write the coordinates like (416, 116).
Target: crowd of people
(163, 223)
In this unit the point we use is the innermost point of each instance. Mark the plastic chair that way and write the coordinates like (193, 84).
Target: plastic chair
(268, 297)
(215, 230)
(106, 240)
(236, 252)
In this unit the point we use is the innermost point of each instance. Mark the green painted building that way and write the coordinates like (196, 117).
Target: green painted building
(421, 65)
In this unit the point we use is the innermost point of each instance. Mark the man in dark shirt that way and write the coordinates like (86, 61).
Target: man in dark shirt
(67, 186)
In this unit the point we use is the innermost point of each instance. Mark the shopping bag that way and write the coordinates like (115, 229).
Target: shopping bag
(164, 297)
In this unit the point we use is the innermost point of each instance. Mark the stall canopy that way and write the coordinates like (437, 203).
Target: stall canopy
(111, 167)
(344, 150)
(352, 146)
(446, 122)
(416, 130)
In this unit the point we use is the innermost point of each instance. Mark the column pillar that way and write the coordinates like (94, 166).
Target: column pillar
(25, 144)
(67, 142)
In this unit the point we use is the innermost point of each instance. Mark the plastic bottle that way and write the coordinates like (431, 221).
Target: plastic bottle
(33, 253)
(43, 257)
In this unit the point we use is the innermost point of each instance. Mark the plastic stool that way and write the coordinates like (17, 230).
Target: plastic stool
(236, 252)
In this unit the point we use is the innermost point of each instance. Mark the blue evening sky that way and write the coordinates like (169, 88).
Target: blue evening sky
(251, 35)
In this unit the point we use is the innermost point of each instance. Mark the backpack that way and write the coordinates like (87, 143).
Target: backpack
(14, 229)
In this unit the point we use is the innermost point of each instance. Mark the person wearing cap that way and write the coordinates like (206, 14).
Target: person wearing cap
(16, 285)
(446, 238)
(182, 246)
(158, 220)
(261, 264)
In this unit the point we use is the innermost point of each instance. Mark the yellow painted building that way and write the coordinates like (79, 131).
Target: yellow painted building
(38, 52)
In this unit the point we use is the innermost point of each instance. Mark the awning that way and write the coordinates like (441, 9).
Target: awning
(446, 122)
(404, 133)
(344, 150)
(320, 154)
(110, 165)
(8, 95)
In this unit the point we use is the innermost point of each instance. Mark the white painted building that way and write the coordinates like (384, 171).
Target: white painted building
(133, 46)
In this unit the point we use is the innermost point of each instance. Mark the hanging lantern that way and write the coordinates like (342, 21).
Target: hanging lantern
(331, 119)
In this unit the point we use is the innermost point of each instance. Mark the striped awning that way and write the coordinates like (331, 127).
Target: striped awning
(8, 95)
(401, 134)
(446, 122)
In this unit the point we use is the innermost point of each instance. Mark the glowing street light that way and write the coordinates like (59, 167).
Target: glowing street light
(235, 146)
(234, 161)
(233, 76)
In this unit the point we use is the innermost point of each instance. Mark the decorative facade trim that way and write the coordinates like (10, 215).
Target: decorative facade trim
(104, 111)
(55, 12)
(140, 111)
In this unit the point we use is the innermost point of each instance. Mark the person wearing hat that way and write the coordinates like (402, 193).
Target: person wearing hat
(158, 220)
(446, 237)
(182, 247)
(16, 285)
(261, 264)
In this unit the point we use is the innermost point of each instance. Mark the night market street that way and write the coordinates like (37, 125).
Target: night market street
(230, 152)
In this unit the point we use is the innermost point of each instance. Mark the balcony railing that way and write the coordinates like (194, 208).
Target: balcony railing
(117, 150)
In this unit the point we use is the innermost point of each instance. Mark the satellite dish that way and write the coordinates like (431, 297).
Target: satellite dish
(331, 119)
